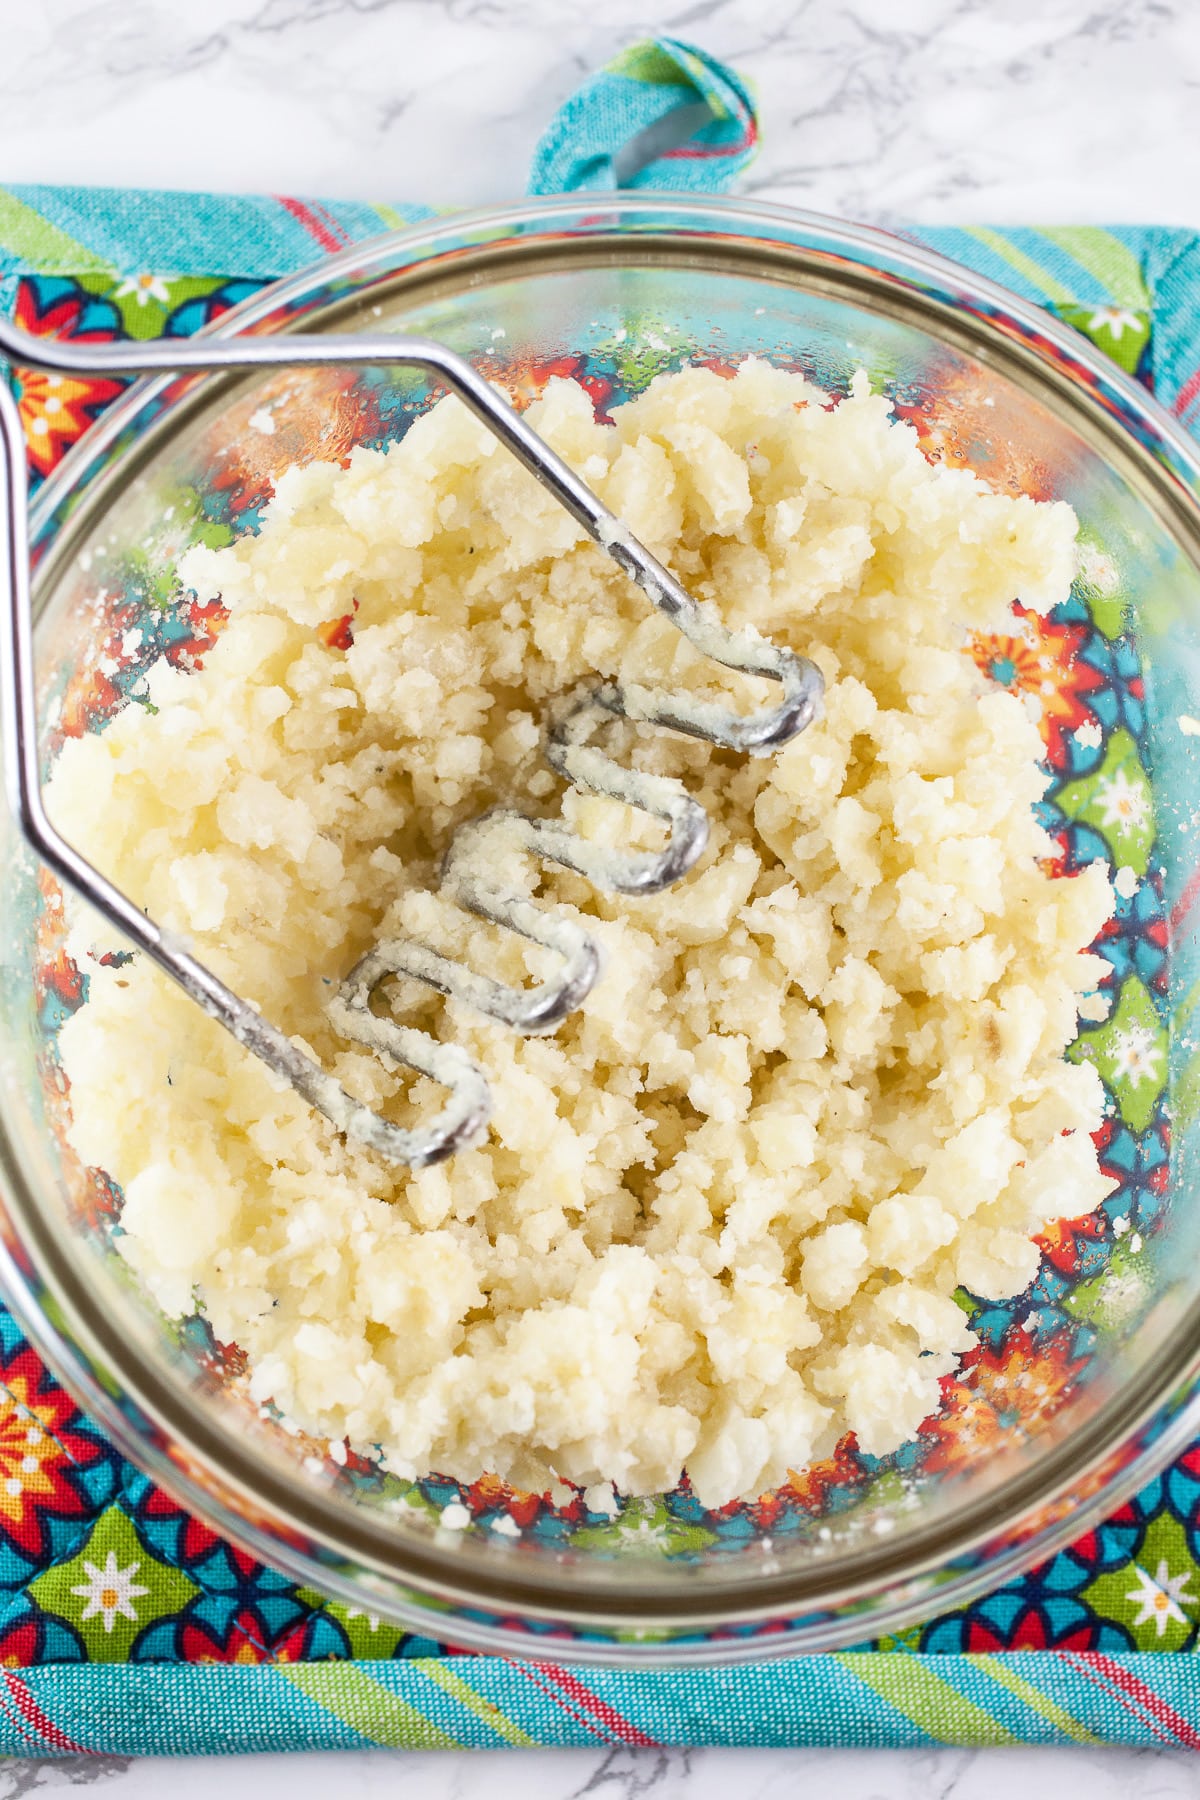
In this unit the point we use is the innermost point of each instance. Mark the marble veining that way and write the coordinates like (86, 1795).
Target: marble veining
(937, 110)
(622, 1774)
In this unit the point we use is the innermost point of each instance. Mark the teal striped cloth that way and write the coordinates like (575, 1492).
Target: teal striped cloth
(875, 1700)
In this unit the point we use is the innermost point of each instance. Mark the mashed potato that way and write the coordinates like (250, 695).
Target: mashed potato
(721, 1215)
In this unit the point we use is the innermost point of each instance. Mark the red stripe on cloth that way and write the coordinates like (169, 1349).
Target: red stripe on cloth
(1097, 1680)
(529, 1671)
(1186, 900)
(697, 152)
(13, 1718)
(1154, 1704)
(304, 215)
(54, 1736)
(334, 225)
(1187, 393)
(620, 1727)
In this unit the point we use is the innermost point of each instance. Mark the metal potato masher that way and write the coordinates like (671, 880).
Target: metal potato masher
(477, 846)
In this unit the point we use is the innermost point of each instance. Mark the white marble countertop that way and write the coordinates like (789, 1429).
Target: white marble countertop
(1000, 110)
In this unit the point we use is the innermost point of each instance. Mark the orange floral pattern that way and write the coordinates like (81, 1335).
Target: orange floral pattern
(1042, 659)
(57, 409)
(40, 1453)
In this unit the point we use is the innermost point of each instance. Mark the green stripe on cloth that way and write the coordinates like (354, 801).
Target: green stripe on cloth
(1035, 1698)
(357, 1700)
(1105, 257)
(28, 238)
(391, 217)
(1034, 273)
(921, 1695)
(438, 1671)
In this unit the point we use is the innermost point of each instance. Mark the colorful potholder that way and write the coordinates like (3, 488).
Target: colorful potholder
(127, 1626)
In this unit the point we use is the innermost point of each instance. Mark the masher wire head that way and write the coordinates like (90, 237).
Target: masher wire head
(570, 751)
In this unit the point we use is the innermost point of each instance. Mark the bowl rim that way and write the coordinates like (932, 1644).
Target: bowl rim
(433, 227)
(437, 1577)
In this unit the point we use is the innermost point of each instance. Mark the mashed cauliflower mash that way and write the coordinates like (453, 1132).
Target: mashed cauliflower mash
(722, 1213)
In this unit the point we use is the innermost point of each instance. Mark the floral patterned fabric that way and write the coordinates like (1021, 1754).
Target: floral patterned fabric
(98, 1565)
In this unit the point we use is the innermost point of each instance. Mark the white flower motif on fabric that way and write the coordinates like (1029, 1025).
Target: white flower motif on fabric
(1161, 1597)
(1098, 569)
(644, 1534)
(1116, 320)
(143, 289)
(1136, 1055)
(110, 1591)
(1123, 801)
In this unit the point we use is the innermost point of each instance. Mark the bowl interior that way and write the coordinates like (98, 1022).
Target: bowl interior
(1065, 1372)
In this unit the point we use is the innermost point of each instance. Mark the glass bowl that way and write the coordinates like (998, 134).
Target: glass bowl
(1084, 1386)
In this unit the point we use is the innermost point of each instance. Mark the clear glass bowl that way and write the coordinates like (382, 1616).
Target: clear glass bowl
(1081, 1392)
